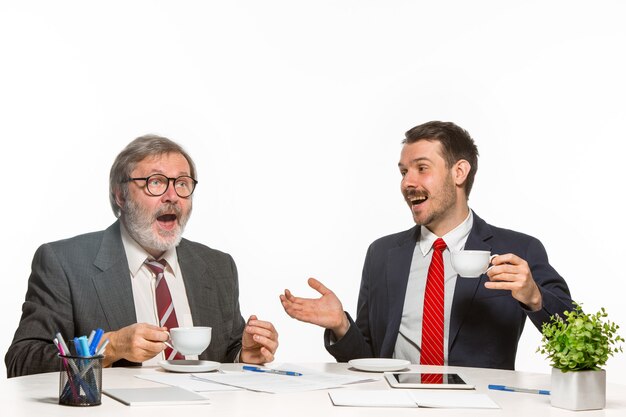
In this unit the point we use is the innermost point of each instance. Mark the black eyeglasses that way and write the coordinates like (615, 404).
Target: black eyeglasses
(157, 184)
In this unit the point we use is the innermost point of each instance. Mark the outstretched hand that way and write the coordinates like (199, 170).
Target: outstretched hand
(325, 311)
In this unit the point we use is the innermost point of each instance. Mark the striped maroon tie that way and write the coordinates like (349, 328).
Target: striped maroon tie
(165, 306)
(432, 324)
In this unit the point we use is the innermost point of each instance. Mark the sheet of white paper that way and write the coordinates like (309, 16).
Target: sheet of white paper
(325, 377)
(263, 382)
(371, 398)
(452, 399)
(185, 381)
(158, 396)
(267, 382)
(410, 398)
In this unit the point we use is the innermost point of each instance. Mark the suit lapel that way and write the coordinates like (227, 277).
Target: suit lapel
(114, 288)
(398, 267)
(112, 283)
(198, 288)
(465, 288)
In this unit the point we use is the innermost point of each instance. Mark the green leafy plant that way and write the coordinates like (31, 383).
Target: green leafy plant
(581, 341)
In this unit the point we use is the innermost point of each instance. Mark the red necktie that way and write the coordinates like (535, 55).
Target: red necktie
(432, 324)
(165, 306)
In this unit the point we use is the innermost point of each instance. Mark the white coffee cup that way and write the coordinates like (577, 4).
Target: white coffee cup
(189, 340)
(471, 263)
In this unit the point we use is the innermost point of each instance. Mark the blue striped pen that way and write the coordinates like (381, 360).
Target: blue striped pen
(270, 371)
(515, 389)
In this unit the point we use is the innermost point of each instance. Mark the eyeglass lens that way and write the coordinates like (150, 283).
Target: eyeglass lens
(157, 185)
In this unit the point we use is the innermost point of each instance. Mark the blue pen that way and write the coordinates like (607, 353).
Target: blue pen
(270, 371)
(515, 389)
(78, 347)
(93, 345)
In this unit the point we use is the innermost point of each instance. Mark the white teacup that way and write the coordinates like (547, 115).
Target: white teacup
(190, 340)
(471, 263)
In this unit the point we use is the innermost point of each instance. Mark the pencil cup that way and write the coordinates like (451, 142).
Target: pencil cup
(80, 380)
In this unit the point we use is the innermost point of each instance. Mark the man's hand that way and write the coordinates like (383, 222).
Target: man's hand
(258, 342)
(325, 311)
(510, 272)
(136, 343)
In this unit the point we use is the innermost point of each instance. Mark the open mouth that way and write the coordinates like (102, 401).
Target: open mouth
(167, 221)
(417, 200)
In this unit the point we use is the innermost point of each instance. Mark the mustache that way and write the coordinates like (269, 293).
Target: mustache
(413, 193)
(168, 208)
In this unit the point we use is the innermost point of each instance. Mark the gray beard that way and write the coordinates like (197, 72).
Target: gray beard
(139, 222)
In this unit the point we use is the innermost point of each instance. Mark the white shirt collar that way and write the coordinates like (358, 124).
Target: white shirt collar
(136, 255)
(455, 239)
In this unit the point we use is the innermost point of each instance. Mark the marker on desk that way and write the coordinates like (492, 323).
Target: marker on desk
(514, 389)
(270, 371)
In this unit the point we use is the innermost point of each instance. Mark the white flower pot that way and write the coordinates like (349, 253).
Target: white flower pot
(578, 390)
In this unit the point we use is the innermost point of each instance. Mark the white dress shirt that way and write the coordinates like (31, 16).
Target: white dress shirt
(144, 284)
(409, 340)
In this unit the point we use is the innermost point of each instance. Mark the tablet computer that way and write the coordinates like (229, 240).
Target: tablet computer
(430, 380)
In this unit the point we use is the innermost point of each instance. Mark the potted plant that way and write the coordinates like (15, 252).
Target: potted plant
(578, 347)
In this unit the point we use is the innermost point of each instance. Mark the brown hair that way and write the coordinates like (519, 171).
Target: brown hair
(456, 144)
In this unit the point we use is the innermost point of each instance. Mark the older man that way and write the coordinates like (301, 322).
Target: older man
(138, 277)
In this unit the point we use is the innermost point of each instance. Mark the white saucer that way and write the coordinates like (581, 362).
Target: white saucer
(189, 365)
(379, 364)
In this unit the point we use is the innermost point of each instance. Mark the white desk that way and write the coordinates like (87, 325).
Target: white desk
(37, 395)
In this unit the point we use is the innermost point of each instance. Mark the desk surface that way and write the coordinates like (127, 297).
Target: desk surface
(37, 395)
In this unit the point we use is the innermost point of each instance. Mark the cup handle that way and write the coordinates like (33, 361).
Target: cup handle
(169, 339)
(490, 259)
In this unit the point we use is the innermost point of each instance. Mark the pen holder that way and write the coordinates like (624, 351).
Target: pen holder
(80, 380)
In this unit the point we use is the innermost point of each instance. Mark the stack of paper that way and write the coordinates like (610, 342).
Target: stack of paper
(255, 381)
(268, 382)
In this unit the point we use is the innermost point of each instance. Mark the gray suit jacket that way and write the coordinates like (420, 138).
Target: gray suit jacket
(80, 284)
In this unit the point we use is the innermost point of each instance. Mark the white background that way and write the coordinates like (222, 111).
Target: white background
(294, 113)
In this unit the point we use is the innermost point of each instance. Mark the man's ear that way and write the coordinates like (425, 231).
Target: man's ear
(461, 171)
(119, 199)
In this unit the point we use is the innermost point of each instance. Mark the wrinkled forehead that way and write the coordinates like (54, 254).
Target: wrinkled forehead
(171, 164)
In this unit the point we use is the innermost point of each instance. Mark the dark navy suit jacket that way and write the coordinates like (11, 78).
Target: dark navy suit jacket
(485, 325)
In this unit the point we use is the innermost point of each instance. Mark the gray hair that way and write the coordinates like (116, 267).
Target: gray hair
(135, 152)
